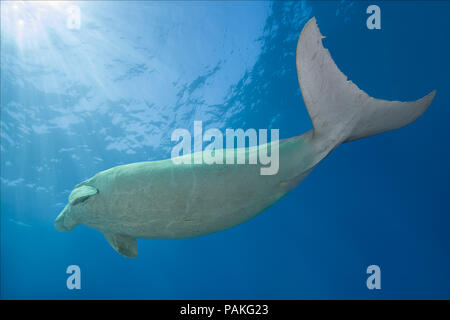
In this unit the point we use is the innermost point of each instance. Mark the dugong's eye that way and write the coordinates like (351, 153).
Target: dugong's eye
(81, 194)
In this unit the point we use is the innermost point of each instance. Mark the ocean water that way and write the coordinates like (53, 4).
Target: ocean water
(81, 96)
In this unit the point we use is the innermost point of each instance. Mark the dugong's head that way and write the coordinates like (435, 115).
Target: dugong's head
(69, 217)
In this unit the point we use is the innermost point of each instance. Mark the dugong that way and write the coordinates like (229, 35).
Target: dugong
(164, 200)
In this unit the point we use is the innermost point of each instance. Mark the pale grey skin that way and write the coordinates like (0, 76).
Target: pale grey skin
(163, 200)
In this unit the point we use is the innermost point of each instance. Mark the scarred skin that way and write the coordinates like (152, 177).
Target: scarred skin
(163, 200)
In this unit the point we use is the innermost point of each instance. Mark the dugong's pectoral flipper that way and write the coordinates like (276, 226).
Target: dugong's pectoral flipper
(125, 245)
(339, 110)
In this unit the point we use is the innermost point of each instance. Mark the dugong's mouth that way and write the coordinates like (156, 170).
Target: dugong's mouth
(59, 221)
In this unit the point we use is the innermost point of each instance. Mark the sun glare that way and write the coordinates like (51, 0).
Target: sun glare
(25, 22)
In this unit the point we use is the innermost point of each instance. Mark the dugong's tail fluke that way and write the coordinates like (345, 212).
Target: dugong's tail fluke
(338, 108)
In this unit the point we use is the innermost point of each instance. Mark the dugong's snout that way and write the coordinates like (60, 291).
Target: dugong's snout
(67, 219)
(61, 221)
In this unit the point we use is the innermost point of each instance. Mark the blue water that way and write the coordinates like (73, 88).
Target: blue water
(78, 101)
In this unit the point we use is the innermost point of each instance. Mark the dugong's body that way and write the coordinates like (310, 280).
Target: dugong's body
(164, 200)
